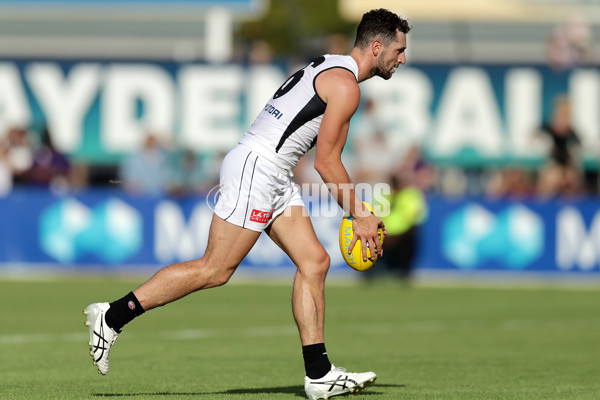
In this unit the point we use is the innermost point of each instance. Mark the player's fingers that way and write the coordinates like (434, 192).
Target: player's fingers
(352, 243)
(363, 244)
(374, 248)
(382, 227)
(378, 245)
(377, 241)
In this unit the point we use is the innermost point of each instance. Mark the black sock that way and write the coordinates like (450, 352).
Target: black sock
(123, 311)
(316, 361)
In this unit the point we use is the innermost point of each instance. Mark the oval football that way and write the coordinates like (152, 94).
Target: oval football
(355, 259)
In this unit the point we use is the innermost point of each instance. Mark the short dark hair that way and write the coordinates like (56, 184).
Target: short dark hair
(379, 24)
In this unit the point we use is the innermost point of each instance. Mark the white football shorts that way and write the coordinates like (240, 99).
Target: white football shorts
(253, 191)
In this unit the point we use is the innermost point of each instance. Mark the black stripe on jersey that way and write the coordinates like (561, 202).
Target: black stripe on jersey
(239, 187)
(311, 110)
(249, 191)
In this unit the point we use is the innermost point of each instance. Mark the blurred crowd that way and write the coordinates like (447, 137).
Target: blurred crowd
(157, 170)
(29, 158)
(32, 160)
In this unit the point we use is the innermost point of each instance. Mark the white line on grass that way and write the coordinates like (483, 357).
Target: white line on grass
(20, 338)
(264, 331)
(425, 326)
(249, 332)
(184, 334)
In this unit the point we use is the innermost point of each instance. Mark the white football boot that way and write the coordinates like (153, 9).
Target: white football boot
(102, 337)
(337, 382)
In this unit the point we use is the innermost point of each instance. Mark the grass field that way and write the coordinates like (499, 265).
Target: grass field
(239, 342)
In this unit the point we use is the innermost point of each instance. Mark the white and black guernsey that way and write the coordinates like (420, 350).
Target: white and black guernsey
(288, 125)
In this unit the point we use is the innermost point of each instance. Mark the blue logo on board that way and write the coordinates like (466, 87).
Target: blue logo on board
(112, 231)
(473, 235)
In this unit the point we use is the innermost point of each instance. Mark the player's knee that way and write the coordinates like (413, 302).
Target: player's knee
(317, 266)
(324, 262)
(221, 277)
(213, 274)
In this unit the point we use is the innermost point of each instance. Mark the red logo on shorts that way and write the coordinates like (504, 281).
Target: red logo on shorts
(261, 216)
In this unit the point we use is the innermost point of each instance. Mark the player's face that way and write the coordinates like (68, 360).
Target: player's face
(391, 57)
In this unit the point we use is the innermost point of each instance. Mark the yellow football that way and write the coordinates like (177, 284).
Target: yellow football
(355, 259)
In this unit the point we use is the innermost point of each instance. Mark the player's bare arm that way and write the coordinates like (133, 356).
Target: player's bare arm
(339, 89)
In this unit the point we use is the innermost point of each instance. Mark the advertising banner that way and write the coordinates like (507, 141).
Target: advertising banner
(108, 230)
(531, 236)
(461, 114)
(114, 232)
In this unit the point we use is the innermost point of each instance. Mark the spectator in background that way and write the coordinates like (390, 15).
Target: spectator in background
(186, 175)
(5, 174)
(146, 172)
(17, 153)
(408, 209)
(50, 168)
(561, 174)
(415, 170)
(510, 182)
(374, 161)
(570, 45)
(192, 174)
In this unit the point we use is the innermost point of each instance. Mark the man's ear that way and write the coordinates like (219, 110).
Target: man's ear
(376, 47)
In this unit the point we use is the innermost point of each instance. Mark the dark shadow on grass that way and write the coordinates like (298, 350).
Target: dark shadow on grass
(296, 390)
(388, 385)
(150, 394)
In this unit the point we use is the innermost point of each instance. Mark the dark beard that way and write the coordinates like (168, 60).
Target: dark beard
(381, 71)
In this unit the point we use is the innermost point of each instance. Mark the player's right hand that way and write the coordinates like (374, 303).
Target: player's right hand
(366, 230)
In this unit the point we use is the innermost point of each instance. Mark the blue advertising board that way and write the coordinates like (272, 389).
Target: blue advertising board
(108, 230)
(115, 232)
(531, 236)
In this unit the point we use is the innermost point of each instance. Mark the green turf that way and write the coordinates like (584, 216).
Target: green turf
(239, 342)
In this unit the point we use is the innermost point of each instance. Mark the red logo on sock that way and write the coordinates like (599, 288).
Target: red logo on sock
(261, 216)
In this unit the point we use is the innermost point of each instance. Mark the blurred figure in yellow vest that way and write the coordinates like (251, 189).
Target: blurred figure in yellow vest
(408, 210)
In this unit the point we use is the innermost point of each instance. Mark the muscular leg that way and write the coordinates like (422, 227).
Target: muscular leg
(294, 233)
(227, 246)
